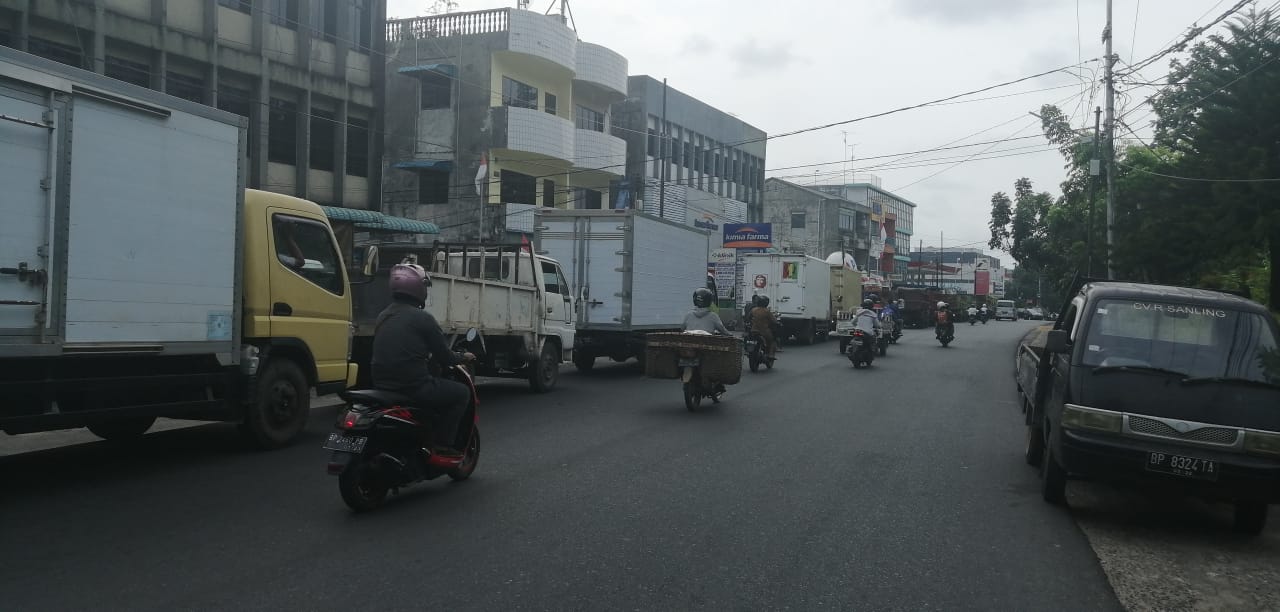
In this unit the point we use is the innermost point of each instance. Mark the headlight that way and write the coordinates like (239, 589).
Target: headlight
(1080, 417)
(1261, 442)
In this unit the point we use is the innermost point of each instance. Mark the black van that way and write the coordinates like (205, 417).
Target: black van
(1158, 385)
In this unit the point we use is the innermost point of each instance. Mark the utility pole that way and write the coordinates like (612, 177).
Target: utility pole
(1109, 79)
(662, 157)
(1094, 169)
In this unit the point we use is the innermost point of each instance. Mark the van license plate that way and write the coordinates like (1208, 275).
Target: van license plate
(1178, 465)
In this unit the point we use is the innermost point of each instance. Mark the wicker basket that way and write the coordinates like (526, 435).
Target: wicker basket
(721, 356)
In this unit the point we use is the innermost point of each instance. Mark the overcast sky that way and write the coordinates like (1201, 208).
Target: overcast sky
(783, 66)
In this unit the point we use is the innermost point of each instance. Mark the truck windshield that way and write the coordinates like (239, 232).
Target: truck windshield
(1197, 341)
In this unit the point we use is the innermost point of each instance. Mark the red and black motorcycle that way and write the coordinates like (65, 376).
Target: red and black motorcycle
(379, 445)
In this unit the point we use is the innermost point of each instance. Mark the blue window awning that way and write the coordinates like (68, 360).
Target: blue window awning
(448, 70)
(377, 222)
(425, 165)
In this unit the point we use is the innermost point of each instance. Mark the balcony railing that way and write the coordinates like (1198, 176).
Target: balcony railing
(451, 24)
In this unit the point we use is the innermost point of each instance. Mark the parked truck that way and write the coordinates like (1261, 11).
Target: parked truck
(1165, 387)
(632, 273)
(798, 288)
(139, 279)
(517, 301)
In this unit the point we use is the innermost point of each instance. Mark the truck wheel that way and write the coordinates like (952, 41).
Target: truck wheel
(1053, 478)
(1034, 453)
(282, 405)
(545, 371)
(808, 334)
(1251, 517)
(584, 361)
(122, 429)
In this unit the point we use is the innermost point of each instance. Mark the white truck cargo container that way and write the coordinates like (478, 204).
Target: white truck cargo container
(140, 279)
(798, 288)
(632, 274)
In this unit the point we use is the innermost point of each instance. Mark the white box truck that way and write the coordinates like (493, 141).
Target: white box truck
(140, 279)
(798, 288)
(632, 274)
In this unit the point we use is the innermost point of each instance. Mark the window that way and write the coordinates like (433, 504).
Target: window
(185, 87)
(515, 93)
(797, 220)
(244, 6)
(674, 149)
(588, 119)
(364, 33)
(57, 52)
(282, 132)
(236, 100)
(433, 188)
(357, 147)
(591, 199)
(323, 128)
(330, 9)
(689, 158)
(549, 103)
(552, 281)
(306, 247)
(437, 91)
(518, 188)
(548, 193)
(283, 13)
(129, 72)
(652, 144)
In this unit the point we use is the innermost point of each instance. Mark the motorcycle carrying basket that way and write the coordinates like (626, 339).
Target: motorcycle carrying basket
(721, 356)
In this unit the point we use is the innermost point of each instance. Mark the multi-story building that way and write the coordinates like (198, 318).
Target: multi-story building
(307, 73)
(958, 269)
(493, 113)
(892, 217)
(817, 223)
(702, 167)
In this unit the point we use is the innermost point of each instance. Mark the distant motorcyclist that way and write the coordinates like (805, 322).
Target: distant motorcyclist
(406, 339)
(973, 314)
(983, 314)
(701, 318)
(762, 323)
(945, 317)
(866, 320)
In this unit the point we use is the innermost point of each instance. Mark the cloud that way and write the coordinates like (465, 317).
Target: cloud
(698, 45)
(970, 12)
(752, 56)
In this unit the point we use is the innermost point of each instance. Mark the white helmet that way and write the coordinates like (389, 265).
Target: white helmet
(942, 304)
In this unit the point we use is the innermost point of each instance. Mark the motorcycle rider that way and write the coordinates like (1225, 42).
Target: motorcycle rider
(973, 314)
(865, 319)
(406, 339)
(983, 314)
(945, 316)
(890, 314)
(762, 322)
(701, 318)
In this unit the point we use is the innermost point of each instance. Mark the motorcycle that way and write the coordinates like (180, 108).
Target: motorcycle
(945, 333)
(983, 316)
(754, 347)
(861, 352)
(694, 385)
(379, 444)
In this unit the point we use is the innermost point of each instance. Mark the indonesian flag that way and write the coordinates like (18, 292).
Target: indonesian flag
(482, 174)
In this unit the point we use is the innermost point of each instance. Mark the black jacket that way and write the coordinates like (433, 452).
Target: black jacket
(404, 339)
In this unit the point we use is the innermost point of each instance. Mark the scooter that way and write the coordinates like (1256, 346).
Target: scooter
(861, 352)
(945, 333)
(755, 350)
(379, 444)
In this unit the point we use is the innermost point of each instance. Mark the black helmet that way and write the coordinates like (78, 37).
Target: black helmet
(702, 297)
(764, 301)
(867, 303)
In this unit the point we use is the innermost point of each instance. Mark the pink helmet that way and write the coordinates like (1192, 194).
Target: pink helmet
(411, 281)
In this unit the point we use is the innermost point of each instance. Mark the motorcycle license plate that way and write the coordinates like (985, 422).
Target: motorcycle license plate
(686, 362)
(1179, 465)
(346, 444)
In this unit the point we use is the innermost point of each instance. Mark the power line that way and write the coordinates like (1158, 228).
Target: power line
(1203, 180)
(1193, 32)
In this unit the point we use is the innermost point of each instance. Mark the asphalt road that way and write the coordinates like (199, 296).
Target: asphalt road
(812, 486)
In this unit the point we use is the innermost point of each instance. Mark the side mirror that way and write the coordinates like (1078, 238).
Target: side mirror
(1057, 341)
(471, 334)
(370, 261)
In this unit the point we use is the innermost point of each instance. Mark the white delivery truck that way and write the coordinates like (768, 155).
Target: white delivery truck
(632, 273)
(798, 288)
(518, 302)
(140, 279)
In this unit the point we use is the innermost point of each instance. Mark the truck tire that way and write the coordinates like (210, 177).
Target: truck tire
(808, 333)
(1250, 517)
(584, 361)
(280, 407)
(1053, 479)
(122, 429)
(546, 370)
(1034, 452)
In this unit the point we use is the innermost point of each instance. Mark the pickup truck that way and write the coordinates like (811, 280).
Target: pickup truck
(1159, 386)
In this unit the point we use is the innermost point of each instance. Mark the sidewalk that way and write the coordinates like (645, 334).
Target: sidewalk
(32, 442)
